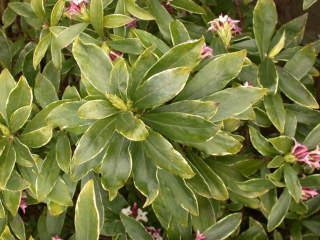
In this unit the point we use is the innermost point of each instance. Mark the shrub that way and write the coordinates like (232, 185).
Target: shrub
(157, 120)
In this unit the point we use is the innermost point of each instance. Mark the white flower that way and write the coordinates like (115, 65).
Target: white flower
(126, 211)
(142, 216)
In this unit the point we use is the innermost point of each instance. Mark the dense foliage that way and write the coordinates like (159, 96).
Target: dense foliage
(149, 119)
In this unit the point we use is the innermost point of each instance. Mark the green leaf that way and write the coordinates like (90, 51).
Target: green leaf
(181, 55)
(279, 211)
(260, 143)
(71, 93)
(47, 176)
(259, 185)
(37, 138)
(6, 234)
(207, 215)
(60, 193)
(308, 3)
(57, 12)
(6, 53)
(179, 33)
(80, 171)
(7, 162)
(8, 83)
(137, 11)
(119, 78)
(94, 140)
(22, 8)
(221, 144)
(292, 182)
(66, 116)
(294, 30)
(181, 126)
(11, 200)
(139, 69)
(144, 173)
(264, 22)
(215, 184)
(16, 182)
(161, 152)
(19, 118)
(275, 111)
(16, 224)
(96, 16)
(56, 54)
(167, 207)
(302, 62)
(278, 47)
(295, 90)
(24, 156)
(282, 144)
(149, 40)
(177, 186)
(205, 109)
(312, 140)
(135, 230)
(67, 36)
(19, 97)
(44, 91)
(8, 17)
(162, 17)
(116, 20)
(41, 48)
(127, 45)
(38, 8)
(88, 56)
(214, 76)
(63, 153)
(224, 227)
(161, 87)
(268, 76)
(188, 5)
(97, 109)
(131, 127)
(116, 165)
(86, 214)
(233, 101)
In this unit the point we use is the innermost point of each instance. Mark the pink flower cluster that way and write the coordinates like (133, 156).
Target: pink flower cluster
(302, 154)
(223, 22)
(136, 213)
(155, 233)
(76, 7)
(308, 193)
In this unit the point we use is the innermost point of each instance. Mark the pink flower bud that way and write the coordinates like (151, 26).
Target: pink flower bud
(308, 193)
(56, 237)
(200, 236)
(301, 152)
(133, 23)
(23, 203)
(206, 52)
(115, 54)
(247, 84)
